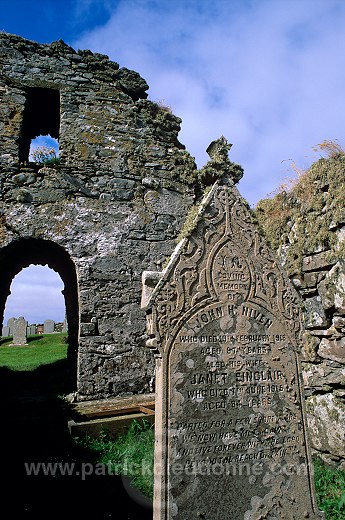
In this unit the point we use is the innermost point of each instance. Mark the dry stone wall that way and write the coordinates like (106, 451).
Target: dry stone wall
(111, 207)
(306, 226)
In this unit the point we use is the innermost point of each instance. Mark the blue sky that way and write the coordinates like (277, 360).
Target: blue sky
(269, 75)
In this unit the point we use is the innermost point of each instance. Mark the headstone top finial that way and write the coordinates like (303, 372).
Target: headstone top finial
(218, 149)
(219, 166)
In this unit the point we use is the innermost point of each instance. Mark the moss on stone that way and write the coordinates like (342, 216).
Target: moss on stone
(302, 220)
(192, 219)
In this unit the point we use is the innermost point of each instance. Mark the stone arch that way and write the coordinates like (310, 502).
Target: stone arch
(20, 254)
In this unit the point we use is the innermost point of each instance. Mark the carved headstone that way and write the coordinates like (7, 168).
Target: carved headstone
(19, 331)
(49, 326)
(225, 325)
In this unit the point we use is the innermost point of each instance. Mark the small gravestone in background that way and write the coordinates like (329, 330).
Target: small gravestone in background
(64, 326)
(19, 331)
(49, 326)
(225, 326)
(10, 323)
(5, 331)
(32, 330)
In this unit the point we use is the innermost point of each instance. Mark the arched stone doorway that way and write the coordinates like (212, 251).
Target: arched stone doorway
(24, 252)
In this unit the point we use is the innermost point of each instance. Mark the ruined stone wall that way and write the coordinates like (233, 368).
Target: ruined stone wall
(306, 227)
(114, 204)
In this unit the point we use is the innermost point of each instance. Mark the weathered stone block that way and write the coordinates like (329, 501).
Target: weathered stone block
(317, 262)
(332, 288)
(315, 316)
(333, 349)
(339, 323)
(326, 423)
(323, 376)
(309, 346)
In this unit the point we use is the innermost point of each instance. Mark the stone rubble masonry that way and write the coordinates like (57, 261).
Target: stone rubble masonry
(321, 284)
(114, 204)
(323, 291)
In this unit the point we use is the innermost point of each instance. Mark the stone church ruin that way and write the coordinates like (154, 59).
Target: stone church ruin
(111, 207)
(114, 203)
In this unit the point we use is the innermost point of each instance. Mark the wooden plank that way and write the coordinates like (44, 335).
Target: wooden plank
(109, 412)
(112, 407)
(145, 409)
(112, 425)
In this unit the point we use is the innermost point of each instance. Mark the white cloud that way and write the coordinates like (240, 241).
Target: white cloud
(267, 74)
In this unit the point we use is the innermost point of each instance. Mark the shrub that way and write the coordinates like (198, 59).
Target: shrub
(45, 155)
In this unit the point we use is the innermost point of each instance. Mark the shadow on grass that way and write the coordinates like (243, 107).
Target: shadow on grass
(34, 431)
(30, 339)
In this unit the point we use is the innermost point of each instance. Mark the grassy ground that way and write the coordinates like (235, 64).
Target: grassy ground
(132, 454)
(330, 490)
(42, 349)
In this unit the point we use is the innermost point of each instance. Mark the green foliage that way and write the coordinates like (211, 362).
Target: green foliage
(303, 214)
(192, 218)
(330, 490)
(190, 223)
(212, 171)
(42, 349)
(45, 155)
(52, 162)
(129, 454)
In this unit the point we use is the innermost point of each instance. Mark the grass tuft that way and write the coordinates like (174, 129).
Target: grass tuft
(330, 490)
(129, 454)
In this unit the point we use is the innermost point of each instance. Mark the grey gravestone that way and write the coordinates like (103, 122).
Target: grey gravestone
(5, 331)
(32, 330)
(48, 327)
(10, 323)
(64, 326)
(225, 327)
(19, 331)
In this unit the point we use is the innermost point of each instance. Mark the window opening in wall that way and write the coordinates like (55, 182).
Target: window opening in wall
(41, 119)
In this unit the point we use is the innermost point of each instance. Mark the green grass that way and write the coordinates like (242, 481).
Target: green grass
(42, 349)
(132, 454)
(330, 490)
(129, 454)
